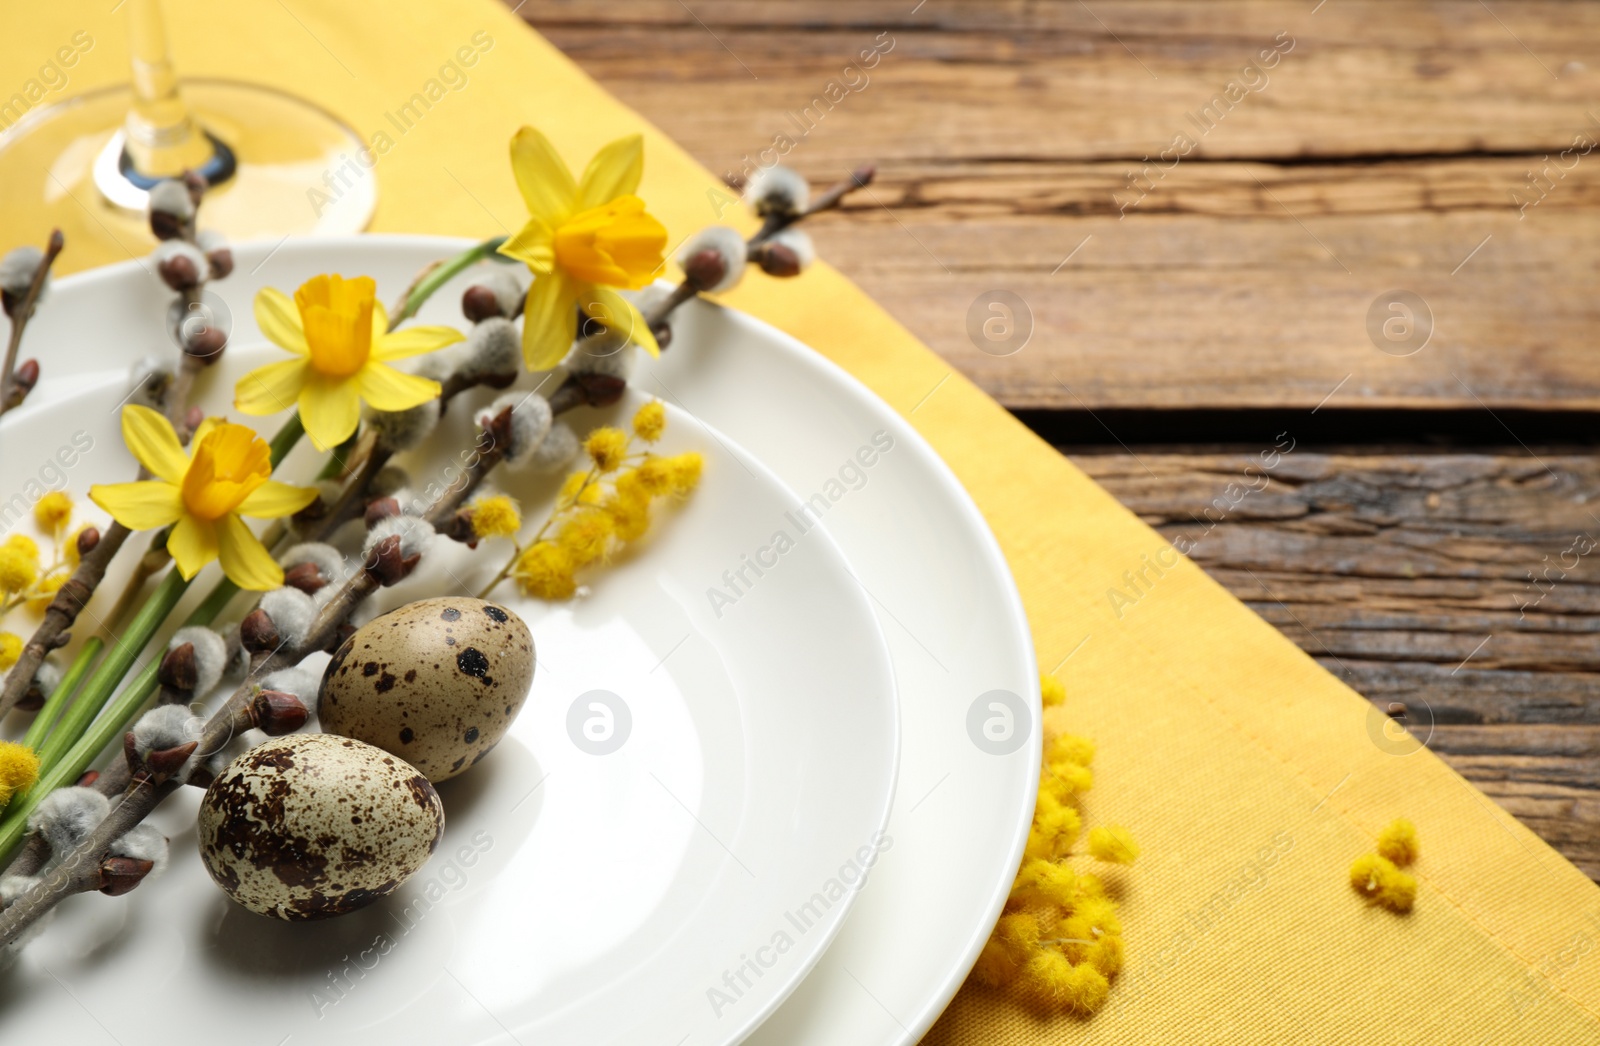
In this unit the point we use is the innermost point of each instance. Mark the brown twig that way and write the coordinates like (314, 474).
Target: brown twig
(12, 395)
(35, 852)
(64, 609)
(657, 315)
(352, 497)
(189, 368)
(79, 871)
(31, 857)
(832, 197)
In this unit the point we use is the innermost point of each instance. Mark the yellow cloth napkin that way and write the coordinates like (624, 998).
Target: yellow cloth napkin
(1251, 777)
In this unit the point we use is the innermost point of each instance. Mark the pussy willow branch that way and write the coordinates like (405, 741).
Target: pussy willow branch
(82, 585)
(79, 870)
(569, 396)
(350, 501)
(350, 498)
(831, 198)
(63, 611)
(110, 782)
(10, 395)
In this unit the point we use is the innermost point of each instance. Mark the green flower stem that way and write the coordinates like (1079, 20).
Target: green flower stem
(285, 438)
(110, 671)
(128, 703)
(63, 692)
(341, 455)
(105, 729)
(436, 277)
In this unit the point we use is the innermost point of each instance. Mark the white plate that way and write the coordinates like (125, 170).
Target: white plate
(639, 859)
(950, 611)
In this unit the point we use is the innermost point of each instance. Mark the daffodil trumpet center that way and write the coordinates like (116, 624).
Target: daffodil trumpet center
(337, 316)
(230, 462)
(616, 244)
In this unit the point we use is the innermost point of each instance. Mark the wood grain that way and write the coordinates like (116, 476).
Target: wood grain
(1392, 148)
(1380, 153)
(1464, 587)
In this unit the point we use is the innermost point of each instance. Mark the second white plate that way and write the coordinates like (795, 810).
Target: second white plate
(662, 847)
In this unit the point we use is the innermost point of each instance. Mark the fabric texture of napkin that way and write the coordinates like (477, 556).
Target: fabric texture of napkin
(1251, 776)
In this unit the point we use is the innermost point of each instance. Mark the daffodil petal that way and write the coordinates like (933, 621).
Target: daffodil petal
(549, 321)
(273, 499)
(534, 244)
(193, 544)
(203, 429)
(149, 436)
(614, 171)
(618, 313)
(269, 389)
(542, 176)
(139, 506)
(245, 560)
(330, 409)
(380, 320)
(414, 341)
(279, 319)
(385, 388)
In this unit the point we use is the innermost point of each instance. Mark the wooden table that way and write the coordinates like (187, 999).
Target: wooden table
(1376, 242)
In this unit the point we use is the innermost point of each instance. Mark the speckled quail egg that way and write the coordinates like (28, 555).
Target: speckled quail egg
(311, 826)
(436, 682)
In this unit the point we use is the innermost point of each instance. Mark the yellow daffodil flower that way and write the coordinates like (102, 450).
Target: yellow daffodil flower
(584, 238)
(203, 495)
(339, 331)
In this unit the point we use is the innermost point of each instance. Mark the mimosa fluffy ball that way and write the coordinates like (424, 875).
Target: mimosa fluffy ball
(310, 826)
(436, 682)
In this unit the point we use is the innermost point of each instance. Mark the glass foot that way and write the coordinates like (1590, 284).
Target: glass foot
(298, 171)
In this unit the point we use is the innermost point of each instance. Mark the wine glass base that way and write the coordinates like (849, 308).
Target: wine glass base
(122, 184)
(300, 171)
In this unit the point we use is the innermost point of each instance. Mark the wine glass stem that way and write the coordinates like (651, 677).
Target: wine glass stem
(162, 136)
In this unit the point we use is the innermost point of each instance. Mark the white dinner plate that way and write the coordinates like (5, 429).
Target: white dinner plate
(666, 842)
(933, 573)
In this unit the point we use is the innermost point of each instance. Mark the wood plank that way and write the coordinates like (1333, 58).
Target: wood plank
(972, 78)
(1384, 153)
(1465, 587)
(1381, 153)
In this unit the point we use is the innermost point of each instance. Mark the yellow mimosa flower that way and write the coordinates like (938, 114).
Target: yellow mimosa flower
(203, 495)
(584, 237)
(339, 331)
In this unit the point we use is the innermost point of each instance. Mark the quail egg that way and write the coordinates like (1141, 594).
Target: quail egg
(436, 682)
(311, 826)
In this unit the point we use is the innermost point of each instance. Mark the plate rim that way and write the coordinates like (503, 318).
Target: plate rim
(997, 566)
